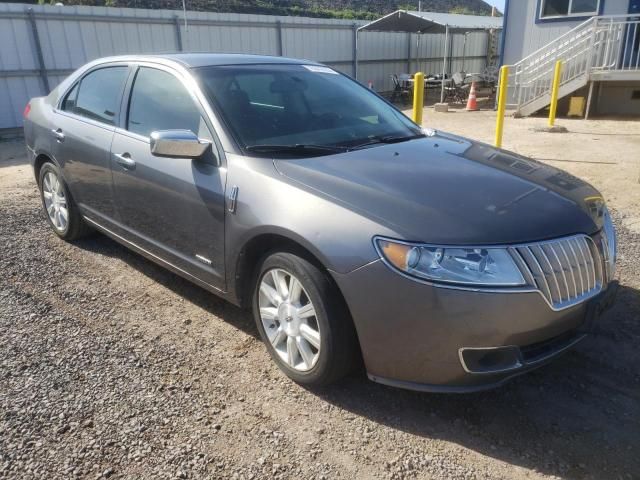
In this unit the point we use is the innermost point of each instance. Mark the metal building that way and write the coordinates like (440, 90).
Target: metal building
(597, 41)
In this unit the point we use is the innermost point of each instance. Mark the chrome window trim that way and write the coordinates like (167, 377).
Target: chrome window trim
(133, 135)
(89, 121)
(598, 288)
(223, 142)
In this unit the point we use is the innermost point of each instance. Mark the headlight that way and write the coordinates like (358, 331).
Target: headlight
(611, 247)
(491, 266)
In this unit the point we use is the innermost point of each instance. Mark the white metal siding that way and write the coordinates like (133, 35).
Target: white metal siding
(70, 36)
(525, 36)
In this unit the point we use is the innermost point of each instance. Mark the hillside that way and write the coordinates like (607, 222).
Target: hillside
(361, 9)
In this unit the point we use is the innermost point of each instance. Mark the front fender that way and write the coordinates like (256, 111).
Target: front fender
(268, 203)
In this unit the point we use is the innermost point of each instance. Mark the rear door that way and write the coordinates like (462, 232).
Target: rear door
(172, 207)
(83, 129)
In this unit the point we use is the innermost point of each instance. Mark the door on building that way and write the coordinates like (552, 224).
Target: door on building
(631, 52)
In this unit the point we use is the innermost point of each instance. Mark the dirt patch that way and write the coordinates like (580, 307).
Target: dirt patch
(113, 367)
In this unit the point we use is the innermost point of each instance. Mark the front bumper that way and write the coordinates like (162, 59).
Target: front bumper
(412, 335)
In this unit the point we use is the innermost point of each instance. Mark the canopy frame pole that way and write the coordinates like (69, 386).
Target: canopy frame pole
(464, 50)
(444, 61)
(409, 57)
(356, 30)
(418, 52)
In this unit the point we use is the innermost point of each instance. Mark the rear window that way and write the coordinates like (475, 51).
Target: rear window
(98, 95)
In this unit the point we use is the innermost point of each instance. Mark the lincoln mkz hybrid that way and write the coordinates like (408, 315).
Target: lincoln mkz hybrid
(354, 236)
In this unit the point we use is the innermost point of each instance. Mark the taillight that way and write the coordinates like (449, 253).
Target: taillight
(27, 109)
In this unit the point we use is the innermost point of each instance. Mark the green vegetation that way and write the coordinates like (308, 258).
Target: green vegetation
(347, 9)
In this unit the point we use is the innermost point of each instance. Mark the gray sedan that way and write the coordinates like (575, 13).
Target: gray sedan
(351, 233)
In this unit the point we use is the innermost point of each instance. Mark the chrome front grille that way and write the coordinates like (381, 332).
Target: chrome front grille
(566, 271)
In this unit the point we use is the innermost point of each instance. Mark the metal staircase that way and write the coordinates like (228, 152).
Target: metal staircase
(601, 48)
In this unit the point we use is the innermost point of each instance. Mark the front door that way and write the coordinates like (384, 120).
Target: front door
(171, 207)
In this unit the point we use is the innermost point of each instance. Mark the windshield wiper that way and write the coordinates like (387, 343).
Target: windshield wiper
(387, 139)
(311, 149)
(298, 148)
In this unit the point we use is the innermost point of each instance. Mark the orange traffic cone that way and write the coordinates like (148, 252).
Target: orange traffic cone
(472, 104)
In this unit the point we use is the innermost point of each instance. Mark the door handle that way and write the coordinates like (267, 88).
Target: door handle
(125, 160)
(57, 133)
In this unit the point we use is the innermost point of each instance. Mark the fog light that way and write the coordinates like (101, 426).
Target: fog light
(490, 360)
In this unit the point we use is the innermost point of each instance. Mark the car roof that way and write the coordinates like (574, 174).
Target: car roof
(194, 60)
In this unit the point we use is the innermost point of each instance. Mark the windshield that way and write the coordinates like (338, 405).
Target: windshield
(300, 109)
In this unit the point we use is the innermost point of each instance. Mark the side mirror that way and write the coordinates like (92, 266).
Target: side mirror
(177, 143)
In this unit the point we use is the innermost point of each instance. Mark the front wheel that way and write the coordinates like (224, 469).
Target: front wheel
(303, 321)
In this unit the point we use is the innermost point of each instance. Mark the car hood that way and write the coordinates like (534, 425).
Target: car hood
(449, 190)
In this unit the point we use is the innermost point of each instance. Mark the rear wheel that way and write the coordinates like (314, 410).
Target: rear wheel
(303, 321)
(62, 212)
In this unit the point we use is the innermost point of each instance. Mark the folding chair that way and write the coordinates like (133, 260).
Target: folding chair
(457, 91)
(399, 89)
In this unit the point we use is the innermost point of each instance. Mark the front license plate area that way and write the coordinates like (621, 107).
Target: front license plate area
(596, 306)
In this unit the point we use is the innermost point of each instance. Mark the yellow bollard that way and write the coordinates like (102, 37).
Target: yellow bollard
(502, 100)
(553, 107)
(418, 97)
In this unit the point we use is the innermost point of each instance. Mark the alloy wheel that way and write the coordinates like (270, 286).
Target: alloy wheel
(55, 201)
(289, 319)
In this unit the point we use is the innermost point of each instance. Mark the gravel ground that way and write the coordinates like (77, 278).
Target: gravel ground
(113, 367)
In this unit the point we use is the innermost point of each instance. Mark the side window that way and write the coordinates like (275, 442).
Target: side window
(159, 101)
(69, 103)
(98, 95)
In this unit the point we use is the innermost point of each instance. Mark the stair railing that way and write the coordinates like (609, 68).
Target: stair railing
(533, 75)
(598, 44)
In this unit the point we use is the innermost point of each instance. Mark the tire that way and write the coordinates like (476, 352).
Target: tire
(56, 200)
(336, 352)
